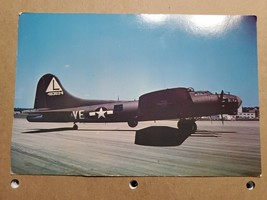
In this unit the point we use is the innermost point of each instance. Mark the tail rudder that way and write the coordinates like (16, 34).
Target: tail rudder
(51, 94)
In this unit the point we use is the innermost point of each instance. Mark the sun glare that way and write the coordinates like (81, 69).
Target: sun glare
(196, 24)
(212, 24)
(207, 21)
(154, 18)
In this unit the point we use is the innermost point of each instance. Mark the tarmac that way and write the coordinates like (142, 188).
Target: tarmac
(150, 149)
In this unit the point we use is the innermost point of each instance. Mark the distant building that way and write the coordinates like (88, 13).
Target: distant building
(249, 113)
(244, 113)
(225, 117)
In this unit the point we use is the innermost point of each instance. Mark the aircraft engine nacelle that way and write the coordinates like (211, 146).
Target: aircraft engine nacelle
(164, 104)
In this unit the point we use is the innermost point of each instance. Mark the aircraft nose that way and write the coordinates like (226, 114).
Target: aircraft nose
(239, 101)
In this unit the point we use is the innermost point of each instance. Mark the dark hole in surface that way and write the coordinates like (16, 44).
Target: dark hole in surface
(133, 184)
(250, 185)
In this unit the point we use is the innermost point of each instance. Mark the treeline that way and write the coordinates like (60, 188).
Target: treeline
(21, 109)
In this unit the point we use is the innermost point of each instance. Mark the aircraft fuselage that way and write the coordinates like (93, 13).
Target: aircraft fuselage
(54, 104)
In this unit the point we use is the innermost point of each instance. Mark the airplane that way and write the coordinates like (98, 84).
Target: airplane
(54, 104)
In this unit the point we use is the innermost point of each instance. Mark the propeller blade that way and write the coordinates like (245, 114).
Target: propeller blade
(222, 119)
(221, 95)
(222, 103)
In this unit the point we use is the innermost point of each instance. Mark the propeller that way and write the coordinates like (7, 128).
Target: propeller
(222, 119)
(222, 104)
(221, 96)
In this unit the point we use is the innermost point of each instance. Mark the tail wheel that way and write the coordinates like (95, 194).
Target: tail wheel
(75, 127)
(133, 123)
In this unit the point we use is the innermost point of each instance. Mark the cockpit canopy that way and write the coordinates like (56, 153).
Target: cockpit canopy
(201, 93)
(198, 93)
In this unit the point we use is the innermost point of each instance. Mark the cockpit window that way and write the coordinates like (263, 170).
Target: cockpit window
(200, 93)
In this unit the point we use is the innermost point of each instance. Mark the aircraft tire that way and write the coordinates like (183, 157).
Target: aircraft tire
(133, 123)
(75, 127)
(182, 124)
(193, 127)
(187, 126)
(179, 124)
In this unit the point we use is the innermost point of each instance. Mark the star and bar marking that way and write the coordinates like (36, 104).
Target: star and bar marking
(100, 113)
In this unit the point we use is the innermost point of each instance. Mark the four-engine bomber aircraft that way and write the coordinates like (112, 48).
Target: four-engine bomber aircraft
(54, 104)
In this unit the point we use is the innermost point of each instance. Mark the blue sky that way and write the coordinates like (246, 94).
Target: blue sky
(106, 56)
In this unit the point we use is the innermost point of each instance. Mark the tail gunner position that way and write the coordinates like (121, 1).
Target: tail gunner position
(54, 104)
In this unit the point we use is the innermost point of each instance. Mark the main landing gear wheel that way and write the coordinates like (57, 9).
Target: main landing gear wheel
(75, 127)
(194, 127)
(187, 125)
(133, 123)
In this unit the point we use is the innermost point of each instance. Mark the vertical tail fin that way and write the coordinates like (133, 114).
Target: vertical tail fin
(51, 94)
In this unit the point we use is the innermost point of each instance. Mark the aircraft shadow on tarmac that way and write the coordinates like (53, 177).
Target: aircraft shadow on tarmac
(168, 136)
(150, 136)
(161, 136)
(206, 133)
(49, 130)
(71, 129)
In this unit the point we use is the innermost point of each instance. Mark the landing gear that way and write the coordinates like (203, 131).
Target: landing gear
(75, 127)
(187, 125)
(133, 123)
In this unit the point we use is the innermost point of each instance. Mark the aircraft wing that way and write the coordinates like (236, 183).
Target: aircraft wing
(170, 102)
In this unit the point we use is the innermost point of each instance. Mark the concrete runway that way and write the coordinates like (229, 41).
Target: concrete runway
(150, 149)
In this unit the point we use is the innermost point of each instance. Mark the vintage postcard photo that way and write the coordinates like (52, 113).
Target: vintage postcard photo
(136, 95)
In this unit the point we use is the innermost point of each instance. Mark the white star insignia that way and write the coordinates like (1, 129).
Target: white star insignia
(101, 113)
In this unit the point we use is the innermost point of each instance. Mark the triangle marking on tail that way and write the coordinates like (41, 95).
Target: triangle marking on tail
(54, 88)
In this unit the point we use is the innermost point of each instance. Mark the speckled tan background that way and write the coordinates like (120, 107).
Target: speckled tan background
(60, 187)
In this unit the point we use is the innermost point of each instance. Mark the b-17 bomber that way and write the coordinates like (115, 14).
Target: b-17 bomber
(54, 104)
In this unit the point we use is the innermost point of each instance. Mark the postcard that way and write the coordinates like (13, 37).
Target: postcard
(136, 95)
